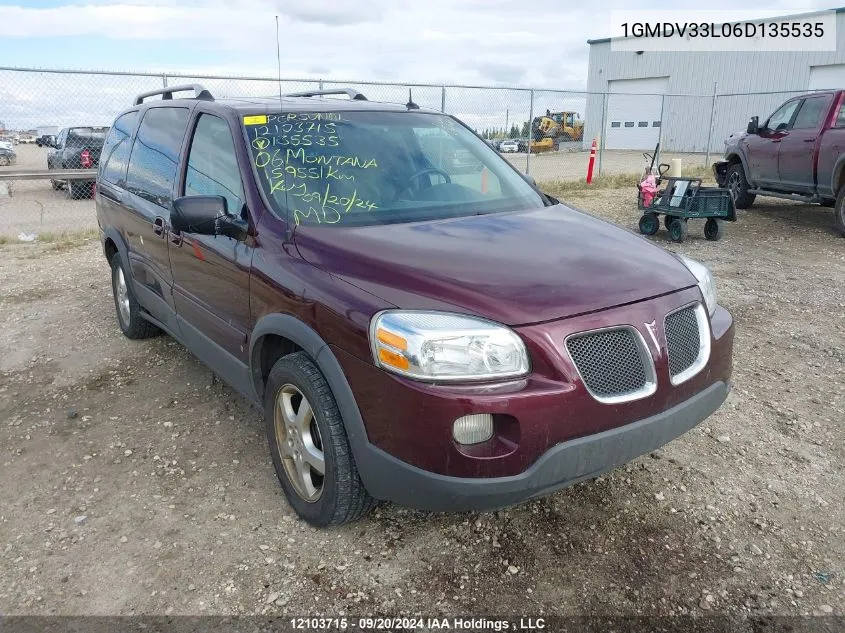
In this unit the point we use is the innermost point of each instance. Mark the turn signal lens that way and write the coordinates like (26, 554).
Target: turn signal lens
(393, 359)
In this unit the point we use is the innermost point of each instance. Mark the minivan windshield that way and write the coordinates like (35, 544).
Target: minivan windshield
(363, 168)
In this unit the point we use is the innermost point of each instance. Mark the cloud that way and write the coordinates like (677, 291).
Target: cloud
(541, 44)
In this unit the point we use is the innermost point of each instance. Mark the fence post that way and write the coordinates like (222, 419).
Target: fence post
(443, 98)
(602, 129)
(530, 135)
(710, 129)
(164, 80)
(320, 85)
(660, 133)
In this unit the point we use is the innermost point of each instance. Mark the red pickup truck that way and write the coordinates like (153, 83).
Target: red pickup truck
(797, 154)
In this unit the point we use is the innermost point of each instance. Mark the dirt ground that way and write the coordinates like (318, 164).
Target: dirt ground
(134, 482)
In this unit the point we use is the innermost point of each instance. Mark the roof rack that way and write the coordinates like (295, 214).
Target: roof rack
(200, 93)
(350, 92)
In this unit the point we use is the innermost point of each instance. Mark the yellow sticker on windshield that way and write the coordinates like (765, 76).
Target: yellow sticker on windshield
(256, 119)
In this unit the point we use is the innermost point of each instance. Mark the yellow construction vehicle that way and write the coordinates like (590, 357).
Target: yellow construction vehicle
(549, 131)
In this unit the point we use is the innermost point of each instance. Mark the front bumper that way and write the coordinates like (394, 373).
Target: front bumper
(563, 465)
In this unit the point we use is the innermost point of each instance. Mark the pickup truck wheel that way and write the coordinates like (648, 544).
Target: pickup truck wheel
(678, 230)
(129, 318)
(56, 184)
(839, 211)
(738, 185)
(77, 190)
(309, 446)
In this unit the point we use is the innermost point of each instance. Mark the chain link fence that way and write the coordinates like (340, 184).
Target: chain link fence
(545, 133)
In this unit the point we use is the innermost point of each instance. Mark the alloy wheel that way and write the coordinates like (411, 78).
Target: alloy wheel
(299, 443)
(122, 293)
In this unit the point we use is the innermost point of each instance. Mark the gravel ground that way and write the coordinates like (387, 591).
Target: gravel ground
(134, 482)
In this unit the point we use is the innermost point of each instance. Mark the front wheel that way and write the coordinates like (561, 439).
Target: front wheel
(738, 184)
(309, 446)
(649, 224)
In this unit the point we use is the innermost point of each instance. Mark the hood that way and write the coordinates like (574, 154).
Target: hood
(514, 268)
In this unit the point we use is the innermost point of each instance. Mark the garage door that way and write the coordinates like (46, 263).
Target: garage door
(633, 113)
(827, 77)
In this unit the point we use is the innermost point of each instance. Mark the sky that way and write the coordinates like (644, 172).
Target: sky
(541, 43)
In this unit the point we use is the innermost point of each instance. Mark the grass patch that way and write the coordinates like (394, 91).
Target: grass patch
(557, 188)
(55, 241)
(68, 237)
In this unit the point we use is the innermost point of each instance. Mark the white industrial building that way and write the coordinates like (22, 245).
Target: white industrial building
(636, 115)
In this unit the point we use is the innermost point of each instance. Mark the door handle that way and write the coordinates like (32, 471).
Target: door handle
(809, 140)
(158, 227)
(176, 239)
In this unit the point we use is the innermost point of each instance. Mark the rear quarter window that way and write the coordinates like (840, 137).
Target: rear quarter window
(115, 155)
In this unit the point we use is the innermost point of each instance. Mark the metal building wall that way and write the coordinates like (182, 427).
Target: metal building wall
(686, 119)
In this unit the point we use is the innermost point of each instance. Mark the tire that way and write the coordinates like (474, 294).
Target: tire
(5, 161)
(738, 184)
(649, 224)
(338, 495)
(55, 184)
(830, 203)
(839, 211)
(713, 229)
(78, 190)
(127, 309)
(667, 220)
(678, 230)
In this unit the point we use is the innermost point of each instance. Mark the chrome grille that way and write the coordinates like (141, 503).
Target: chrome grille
(613, 364)
(683, 341)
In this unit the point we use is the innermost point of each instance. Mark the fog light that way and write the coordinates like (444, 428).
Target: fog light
(473, 429)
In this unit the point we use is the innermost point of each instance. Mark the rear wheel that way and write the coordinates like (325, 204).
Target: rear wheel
(678, 230)
(649, 224)
(309, 446)
(5, 161)
(738, 184)
(129, 318)
(78, 189)
(713, 229)
(668, 220)
(839, 211)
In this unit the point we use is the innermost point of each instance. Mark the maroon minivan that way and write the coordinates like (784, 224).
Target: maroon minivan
(447, 338)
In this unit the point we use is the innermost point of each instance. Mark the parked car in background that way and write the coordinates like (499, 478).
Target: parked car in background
(76, 148)
(522, 144)
(508, 147)
(7, 156)
(45, 140)
(798, 153)
(413, 334)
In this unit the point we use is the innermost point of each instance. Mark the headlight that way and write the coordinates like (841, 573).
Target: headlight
(441, 346)
(705, 282)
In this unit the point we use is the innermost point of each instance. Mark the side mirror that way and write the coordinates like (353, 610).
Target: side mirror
(206, 215)
(754, 125)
